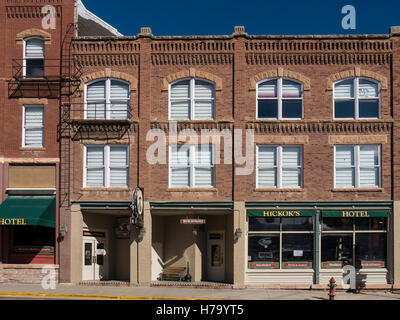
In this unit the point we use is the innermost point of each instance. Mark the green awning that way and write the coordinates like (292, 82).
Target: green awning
(356, 213)
(284, 213)
(28, 211)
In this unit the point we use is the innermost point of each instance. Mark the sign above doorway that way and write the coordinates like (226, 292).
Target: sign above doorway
(193, 221)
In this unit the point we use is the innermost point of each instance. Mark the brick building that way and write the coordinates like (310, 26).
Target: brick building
(316, 116)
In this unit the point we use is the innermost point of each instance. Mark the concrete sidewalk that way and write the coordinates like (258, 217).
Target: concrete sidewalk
(63, 291)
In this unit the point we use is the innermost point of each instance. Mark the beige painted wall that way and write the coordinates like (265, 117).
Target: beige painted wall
(32, 176)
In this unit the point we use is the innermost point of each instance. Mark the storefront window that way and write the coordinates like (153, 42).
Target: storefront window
(281, 239)
(336, 250)
(371, 250)
(297, 250)
(359, 240)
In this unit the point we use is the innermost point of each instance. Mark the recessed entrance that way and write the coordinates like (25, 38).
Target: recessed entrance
(95, 260)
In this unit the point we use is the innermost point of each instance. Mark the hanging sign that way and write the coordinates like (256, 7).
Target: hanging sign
(193, 221)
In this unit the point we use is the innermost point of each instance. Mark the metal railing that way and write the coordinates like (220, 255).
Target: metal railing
(99, 111)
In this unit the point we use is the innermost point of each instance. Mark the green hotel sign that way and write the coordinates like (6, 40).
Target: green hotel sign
(281, 213)
(353, 213)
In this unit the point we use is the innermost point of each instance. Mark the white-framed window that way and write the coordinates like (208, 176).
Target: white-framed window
(280, 99)
(192, 99)
(33, 54)
(357, 98)
(357, 166)
(33, 126)
(107, 99)
(106, 166)
(279, 166)
(191, 166)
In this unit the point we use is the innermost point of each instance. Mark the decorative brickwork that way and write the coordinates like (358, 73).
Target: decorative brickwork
(108, 73)
(192, 73)
(33, 33)
(357, 72)
(280, 72)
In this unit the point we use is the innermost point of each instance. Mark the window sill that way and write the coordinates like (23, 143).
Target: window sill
(34, 149)
(359, 190)
(192, 190)
(105, 189)
(278, 190)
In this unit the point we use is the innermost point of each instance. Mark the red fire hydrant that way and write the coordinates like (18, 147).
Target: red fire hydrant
(332, 285)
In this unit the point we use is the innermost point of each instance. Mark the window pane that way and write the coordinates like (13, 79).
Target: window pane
(97, 91)
(366, 224)
(34, 116)
(95, 178)
(264, 224)
(369, 156)
(118, 156)
(118, 177)
(267, 178)
(344, 109)
(204, 110)
(292, 109)
(297, 224)
(297, 247)
(119, 90)
(204, 155)
(268, 89)
(369, 177)
(371, 250)
(180, 178)
(204, 90)
(180, 110)
(34, 137)
(291, 156)
(291, 178)
(95, 156)
(268, 109)
(267, 156)
(368, 89)
(34, 48)
(180, 156)
(96, 111)
(180, 90)
(203, 178)
(119, 110)
(369, 108)
(344, 89)
(344, 156)
(337, 224)
(336, 250)
(291, 89)
(345, 178)
(264, 248)
(34, 68)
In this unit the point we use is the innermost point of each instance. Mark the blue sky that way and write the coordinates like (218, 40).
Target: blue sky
(260, 17)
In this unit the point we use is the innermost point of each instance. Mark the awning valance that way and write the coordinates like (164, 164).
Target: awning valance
(284, 213)
(356, 213)
(28, 211)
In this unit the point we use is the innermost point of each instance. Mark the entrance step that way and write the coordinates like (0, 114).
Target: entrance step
(195, 285)
(104, 284)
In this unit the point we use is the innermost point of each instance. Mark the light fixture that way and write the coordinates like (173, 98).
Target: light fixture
(141, 234)
(238, 233)
(195, 232)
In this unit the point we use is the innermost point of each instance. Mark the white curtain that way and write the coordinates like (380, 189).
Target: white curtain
(268, 89)
(34, 48)
(95, 167)
(34, 126)
(118, 166)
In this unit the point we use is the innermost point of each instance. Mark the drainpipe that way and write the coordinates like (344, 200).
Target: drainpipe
(317, 247)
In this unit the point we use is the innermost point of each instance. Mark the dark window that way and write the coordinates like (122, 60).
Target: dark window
(297, 247)
(339, 224)
(366, 224)
(264, 224)
(35, 68)
(268, 108)
(292, 109)
(297, 224)
(337, 248)
(371, 250)
(369, 108)
(344, 109)
(264, 248)
(34, 236)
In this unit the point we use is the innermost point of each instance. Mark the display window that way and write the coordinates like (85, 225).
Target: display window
(359, 242)
(281, 239)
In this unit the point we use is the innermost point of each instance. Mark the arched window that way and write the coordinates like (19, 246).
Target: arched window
(34, 57)
(279, 99)
(192, 99)
(107, 99)
(357, 98)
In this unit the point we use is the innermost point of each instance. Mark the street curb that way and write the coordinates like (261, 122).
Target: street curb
(90, 297)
